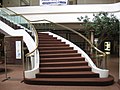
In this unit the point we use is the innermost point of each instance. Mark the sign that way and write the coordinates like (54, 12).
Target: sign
(18, 50)
(107, 47)
(53, 2)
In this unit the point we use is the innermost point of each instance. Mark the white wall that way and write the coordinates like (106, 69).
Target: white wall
(96, 1)
(67, 13)
(12, 3)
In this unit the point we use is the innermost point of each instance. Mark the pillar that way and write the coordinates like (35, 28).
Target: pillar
(91, 39)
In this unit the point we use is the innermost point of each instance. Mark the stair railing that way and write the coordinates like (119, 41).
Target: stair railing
(101, 60)
(32, 58)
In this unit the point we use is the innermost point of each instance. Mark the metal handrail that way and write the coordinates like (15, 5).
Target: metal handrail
(34, 30)
(28, 54)
(70, 29)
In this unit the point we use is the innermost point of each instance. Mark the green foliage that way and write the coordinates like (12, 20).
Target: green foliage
(103, 24)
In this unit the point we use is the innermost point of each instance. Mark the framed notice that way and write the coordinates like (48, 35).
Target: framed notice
(18, 50)
(53, 2)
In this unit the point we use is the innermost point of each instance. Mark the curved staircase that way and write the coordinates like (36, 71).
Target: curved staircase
(61, 65)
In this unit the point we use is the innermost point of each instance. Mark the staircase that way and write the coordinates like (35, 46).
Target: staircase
(61, 65)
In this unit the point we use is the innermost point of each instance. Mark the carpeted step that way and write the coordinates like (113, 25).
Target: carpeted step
(57, 51)
(53, 45)
(60, 55)
(55, 48)
(65, 69)
(51, 42)
(63, 59)
(85, 74)
(63, 64)
(60, 64)
(71, 81)
(44, 34)
(48, 39)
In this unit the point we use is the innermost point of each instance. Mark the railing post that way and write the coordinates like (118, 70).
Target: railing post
(105, 61)
(28, 63)
(32, 60)
(5, 63)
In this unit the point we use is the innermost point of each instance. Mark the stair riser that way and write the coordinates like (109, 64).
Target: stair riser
(52, 56)
(53, 45)
(56, 48)
(44, 35)
(69, 83)
(62, 60)
(68, 76)
(65, 70)
(48, 39)
(53, 52)
(51, 42)
(63, 65)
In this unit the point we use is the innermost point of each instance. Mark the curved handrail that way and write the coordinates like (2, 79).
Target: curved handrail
(104, 54)
(34, 30)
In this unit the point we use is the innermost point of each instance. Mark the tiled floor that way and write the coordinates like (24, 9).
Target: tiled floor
(15, 72)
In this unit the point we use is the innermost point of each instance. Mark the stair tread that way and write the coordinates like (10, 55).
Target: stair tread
(57, 50)
(56, 47)
(49, 39)
(46, 36)
(62, 58)
(69, 67)
(69, 73)
(51, 42)
(63, 62)
(69, 50)
(63, 54)
(57, 40)
(53, 45)
(74, 79)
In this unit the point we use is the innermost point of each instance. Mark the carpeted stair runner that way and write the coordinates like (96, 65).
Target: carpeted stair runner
(61, 65)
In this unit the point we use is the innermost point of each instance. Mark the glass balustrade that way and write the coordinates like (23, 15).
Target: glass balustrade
(15, 18)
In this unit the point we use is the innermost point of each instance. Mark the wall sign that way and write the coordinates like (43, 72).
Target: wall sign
(107, 47)
(53, 2)
(18, 50)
